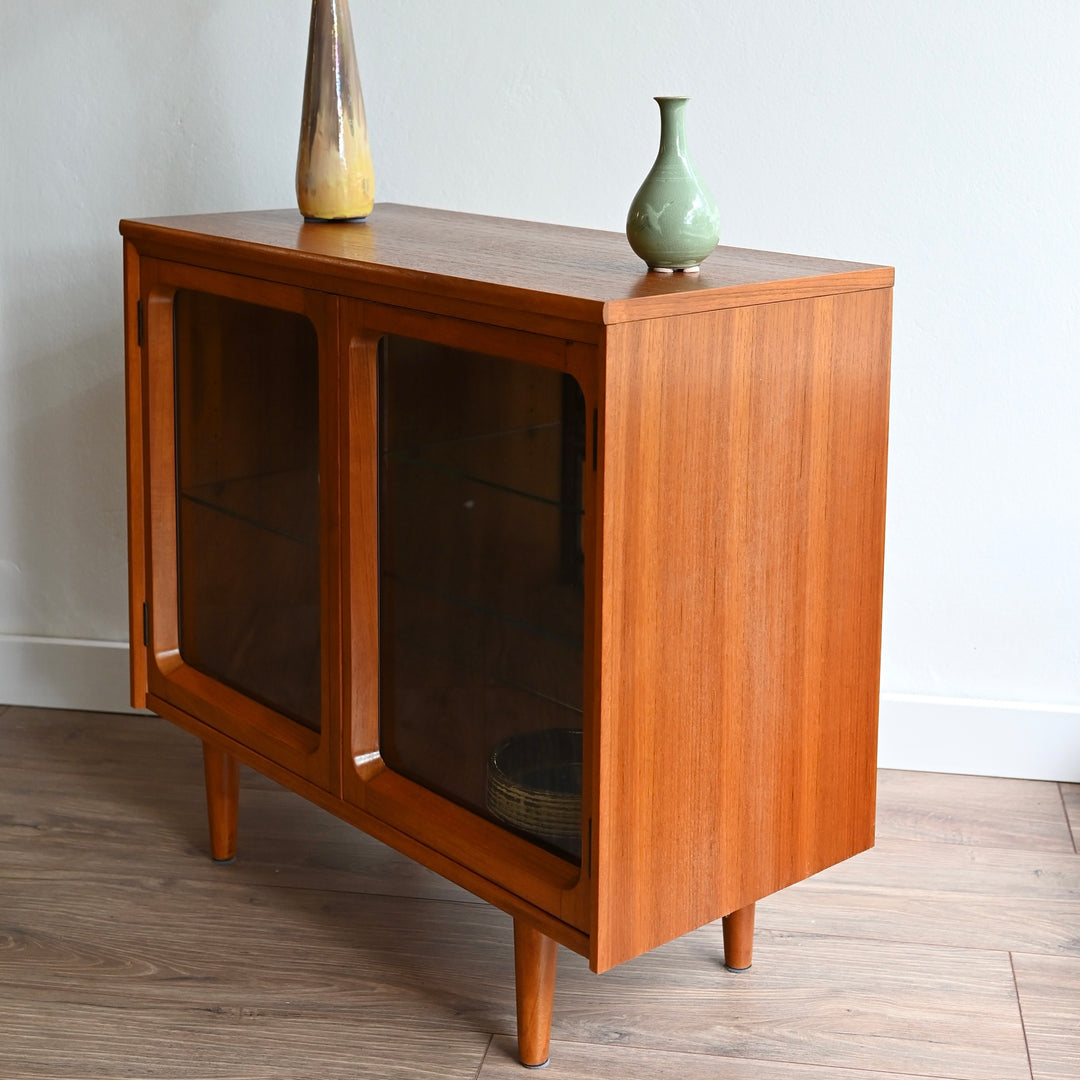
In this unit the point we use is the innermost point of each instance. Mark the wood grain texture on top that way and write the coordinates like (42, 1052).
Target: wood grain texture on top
(555, 270)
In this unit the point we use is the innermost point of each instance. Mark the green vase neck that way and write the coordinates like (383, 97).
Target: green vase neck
(672, 125)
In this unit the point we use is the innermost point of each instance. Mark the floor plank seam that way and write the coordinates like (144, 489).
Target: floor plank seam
(285, 886)
(1000, 950)
(1020, 1010)
(1068, 820)
(484, 1055)
(292, 889)
(916, 845)
(825, 1069)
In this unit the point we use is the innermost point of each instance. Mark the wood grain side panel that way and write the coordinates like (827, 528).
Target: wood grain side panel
(136, 506)
(743, 528)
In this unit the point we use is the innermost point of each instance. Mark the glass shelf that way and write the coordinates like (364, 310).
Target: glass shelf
(285, 503)
(514, 462)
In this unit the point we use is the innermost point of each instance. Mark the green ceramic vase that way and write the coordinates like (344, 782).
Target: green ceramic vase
(674, 222)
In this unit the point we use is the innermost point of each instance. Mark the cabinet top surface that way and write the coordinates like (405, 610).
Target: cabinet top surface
(579, 273)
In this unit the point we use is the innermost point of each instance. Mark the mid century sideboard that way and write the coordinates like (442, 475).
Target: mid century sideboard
(561, 577)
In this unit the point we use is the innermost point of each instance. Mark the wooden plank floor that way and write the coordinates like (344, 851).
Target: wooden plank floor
(951, 950)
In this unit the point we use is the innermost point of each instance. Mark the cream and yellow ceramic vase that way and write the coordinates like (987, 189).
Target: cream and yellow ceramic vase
(674, 222)
(335, 180)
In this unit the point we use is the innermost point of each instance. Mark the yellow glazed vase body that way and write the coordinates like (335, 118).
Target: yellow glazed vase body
(335, 180)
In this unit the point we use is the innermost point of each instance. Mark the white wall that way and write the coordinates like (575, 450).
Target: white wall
(938, 137)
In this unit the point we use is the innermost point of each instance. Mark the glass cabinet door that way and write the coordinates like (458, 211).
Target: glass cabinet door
(247, 483)
(481, 605)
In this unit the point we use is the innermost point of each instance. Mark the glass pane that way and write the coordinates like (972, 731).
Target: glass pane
(481, 584)
(247, 453)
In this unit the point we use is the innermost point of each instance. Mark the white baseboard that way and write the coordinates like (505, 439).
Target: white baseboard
(983, 738)
(64, 673)
(927, 734)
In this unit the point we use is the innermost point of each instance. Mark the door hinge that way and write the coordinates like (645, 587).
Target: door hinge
(138, 323)
(145, 624)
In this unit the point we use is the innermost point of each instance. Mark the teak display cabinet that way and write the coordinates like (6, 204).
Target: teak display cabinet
(408, 493)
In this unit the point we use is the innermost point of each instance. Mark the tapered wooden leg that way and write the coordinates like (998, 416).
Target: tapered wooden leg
(739, 938)
(535, 956)
(222, 801)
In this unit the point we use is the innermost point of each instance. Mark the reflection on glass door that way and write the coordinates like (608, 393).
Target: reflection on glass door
(247, 454)
(481, 584)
